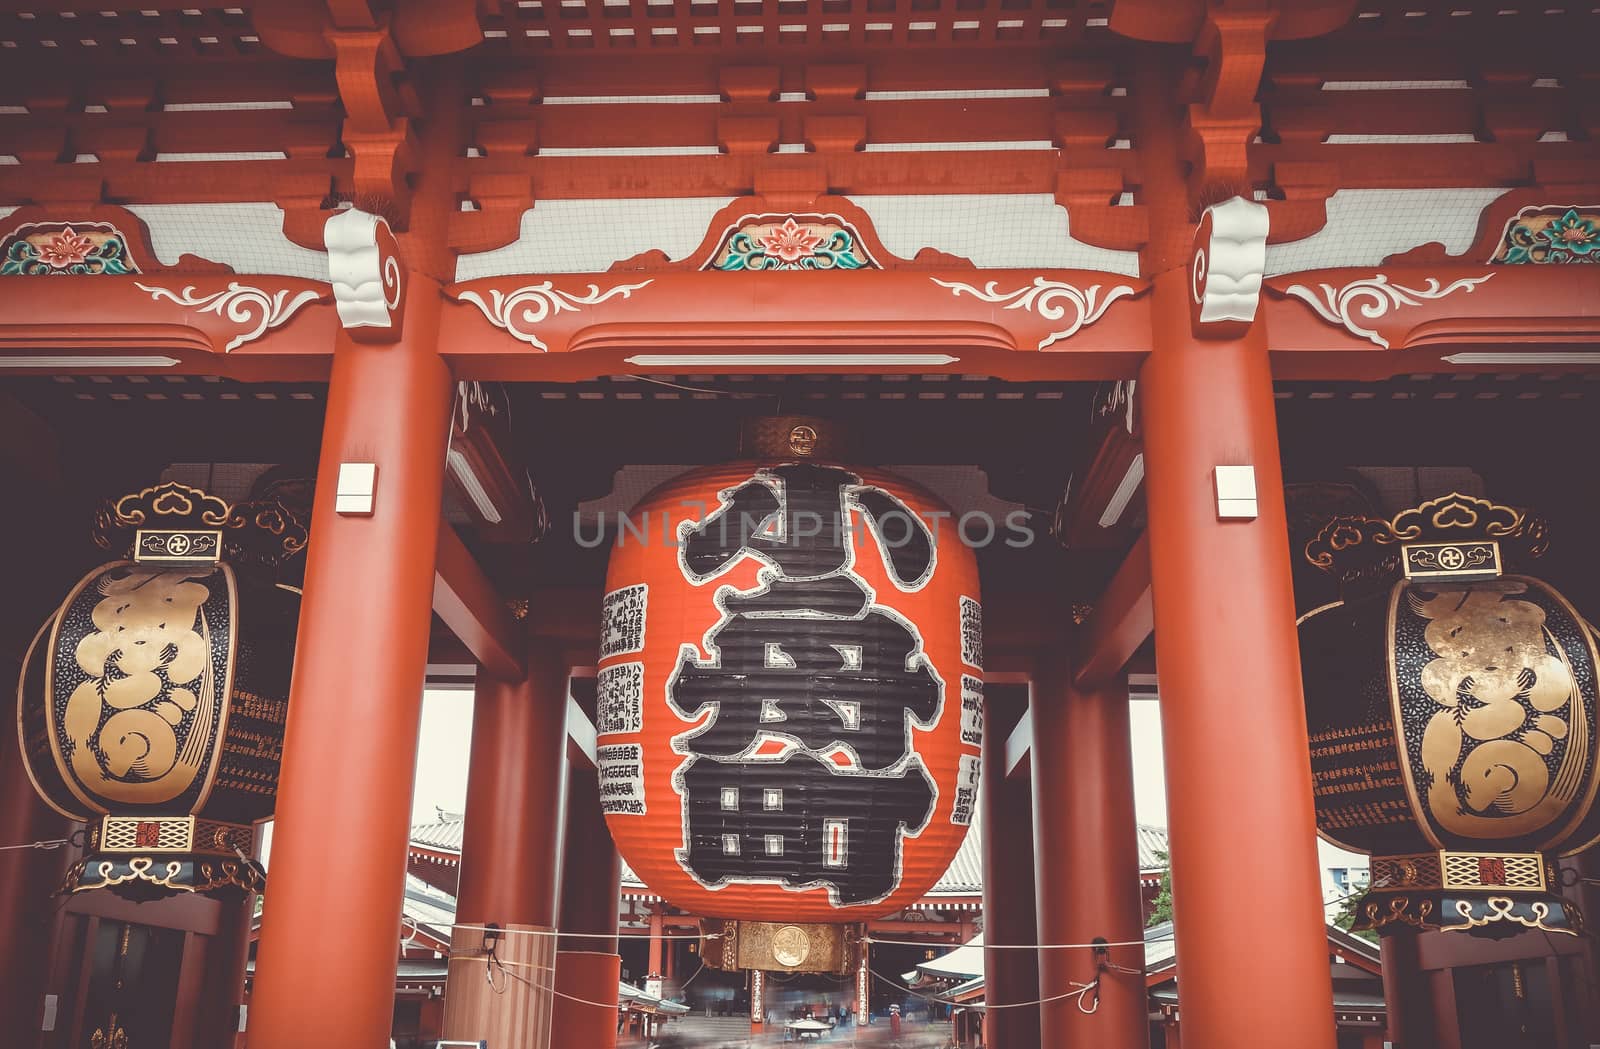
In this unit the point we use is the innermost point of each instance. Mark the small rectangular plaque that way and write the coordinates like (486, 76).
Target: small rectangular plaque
(181, 546)
(1463, 562)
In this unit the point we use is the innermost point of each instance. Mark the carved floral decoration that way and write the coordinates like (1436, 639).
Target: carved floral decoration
(1352, 305)
(520, 311)
(256, 310)
(56, 249)
(1546, 234)
(1050, 299)
(812, 242)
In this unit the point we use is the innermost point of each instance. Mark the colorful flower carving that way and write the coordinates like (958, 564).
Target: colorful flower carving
(1551, 234)
(813, 244)
(790, 242)
(50, 249)
(67, 248)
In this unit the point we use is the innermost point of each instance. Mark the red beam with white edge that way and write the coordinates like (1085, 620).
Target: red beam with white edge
(1367, 323)
(1088, 324)
(249, 327)
(1122, 620)
(469, 605)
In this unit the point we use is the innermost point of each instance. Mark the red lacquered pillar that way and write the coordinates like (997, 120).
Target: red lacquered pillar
(511, 841)
(1086, 861)
(1010, 975)
(329, 938)
(587, 967)
(516, 790)
(1407, 992)
(653, 969)
(1233, 717)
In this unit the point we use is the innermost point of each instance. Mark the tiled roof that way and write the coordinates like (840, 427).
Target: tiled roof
(443, 834)
(1152, 847)
(964, 877)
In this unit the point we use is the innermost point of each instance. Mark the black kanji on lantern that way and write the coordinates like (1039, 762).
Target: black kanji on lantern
(810, 691)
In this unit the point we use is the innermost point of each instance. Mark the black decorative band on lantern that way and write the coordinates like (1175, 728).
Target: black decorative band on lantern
(146, 877)
(1490, 916)
(1459, 562)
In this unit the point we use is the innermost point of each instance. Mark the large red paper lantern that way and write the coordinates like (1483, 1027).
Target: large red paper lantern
(790, 691)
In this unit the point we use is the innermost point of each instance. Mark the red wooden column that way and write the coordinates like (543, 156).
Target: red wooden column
(653, 968)
(1407, 992)
(511, 842)
(1086, 860)
(1010, 975)
(587, 967)
(331, 921)
(1233, 718)
(516, 789)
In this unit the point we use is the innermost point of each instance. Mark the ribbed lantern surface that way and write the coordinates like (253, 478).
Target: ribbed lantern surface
(790, 691)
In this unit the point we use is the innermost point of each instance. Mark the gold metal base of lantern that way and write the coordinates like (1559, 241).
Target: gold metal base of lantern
(782, 946)
(159, 835)
(1491, 894)
(144, 857)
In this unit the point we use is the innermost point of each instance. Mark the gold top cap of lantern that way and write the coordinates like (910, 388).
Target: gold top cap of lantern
(1456, 536)
(177, 523)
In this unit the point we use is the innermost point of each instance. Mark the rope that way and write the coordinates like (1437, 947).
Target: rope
(1078, 992)
(52, 843)
(574, 935)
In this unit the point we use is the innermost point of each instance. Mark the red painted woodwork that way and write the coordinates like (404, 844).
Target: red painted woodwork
(821, 312)
(1233, 721)
(516, 794)
(1120, 623)
(474, 611)
(1086, 861)
(1406, 993)
(679, 612)
(344, 798)
(45, 315)
(586, 1000)
(1517, 309)
(1101, 467)
(591, 871)
(1010, 976)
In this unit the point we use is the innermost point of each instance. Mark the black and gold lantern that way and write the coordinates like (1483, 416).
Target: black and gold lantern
(152, 703)
(1452, 712)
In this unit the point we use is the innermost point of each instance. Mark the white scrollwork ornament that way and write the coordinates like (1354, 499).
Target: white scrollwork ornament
(522, 309)
(257, 309)
(1371, 298)
(1050, 299)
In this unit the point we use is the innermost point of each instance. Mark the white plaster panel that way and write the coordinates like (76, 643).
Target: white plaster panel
(587, 236)
(248, 237)
(994, 230)
(1367, 225)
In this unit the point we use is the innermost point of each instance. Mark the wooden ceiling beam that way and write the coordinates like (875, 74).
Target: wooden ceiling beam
(474, 611)
(1122, 620)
